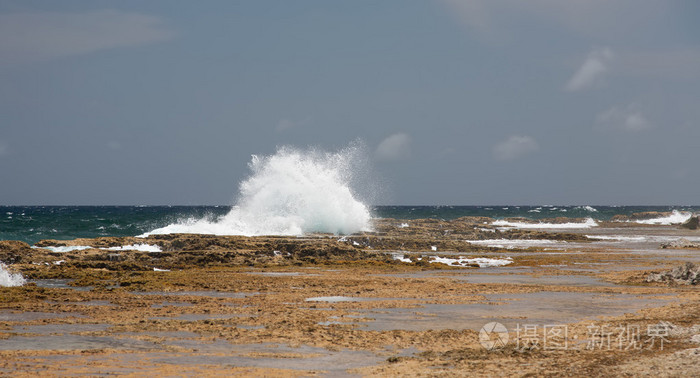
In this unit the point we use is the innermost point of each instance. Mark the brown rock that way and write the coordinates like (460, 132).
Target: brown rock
(692, 223)
(13, 251)
(687, 274)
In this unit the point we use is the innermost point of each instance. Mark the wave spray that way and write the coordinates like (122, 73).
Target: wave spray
(292, 192)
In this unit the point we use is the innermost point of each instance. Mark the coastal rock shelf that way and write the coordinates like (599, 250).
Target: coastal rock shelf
(388, 302)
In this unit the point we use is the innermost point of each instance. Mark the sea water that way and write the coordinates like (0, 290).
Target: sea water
(291, 192)
(33, 223)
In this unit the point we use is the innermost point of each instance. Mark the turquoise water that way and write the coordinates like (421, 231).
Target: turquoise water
(34, 223)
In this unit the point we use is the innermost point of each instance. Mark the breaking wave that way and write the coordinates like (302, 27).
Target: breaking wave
(292, 192)
(676, 217)
(8, 279)
(590, 222)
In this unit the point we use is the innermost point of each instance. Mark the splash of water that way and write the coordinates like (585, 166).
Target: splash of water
(292, 192)
(8, 279)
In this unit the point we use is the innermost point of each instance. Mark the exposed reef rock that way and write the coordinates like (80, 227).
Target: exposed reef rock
(686, 274)
(645, 215)
(681, 244)
(692, 223)
(12, 251)
(180, 251)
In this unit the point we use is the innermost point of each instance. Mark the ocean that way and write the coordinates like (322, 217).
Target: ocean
(33, 223)
(291, 192)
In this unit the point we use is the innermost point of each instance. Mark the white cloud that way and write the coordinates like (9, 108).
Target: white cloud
(629, 118)
(515, 147)
(394, 147)
(26, 37)
(591, 71)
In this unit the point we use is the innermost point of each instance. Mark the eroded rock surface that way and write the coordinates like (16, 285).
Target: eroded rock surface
(687, 274)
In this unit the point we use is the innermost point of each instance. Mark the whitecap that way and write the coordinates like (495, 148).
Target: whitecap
(587, 208)
(676, 217)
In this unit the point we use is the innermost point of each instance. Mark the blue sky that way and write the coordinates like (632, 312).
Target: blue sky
(458, 102)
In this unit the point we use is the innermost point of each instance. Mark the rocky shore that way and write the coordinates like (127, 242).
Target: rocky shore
(383, 303)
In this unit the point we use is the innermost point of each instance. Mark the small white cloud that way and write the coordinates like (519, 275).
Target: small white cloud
(515, 147)
(629, 118)
(591, 71)
(395, 147)
(26, 37)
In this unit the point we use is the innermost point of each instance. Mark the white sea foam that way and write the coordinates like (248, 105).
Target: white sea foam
(403, 225)
(645, 238)
(291, 193)
(483, 262)
(616, 237)
(135, 247)
(676, 217)
(8, 279)
(588, 208)
(512, 243)
(590, 222)
(332, 299)
(69, 248)
(400, 257)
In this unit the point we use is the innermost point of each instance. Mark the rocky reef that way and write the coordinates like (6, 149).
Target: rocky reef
(181, 251)
(692, 223)
(686, 274)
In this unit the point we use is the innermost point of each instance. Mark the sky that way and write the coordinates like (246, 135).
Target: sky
(474, 102)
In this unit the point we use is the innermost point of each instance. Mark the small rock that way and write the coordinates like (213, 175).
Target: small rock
(681, 244)
(688, 274)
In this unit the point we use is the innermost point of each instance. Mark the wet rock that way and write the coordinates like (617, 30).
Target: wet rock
(681, 244)
(687, 274)
(641, 216)
(692, 223)
(13, 251)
